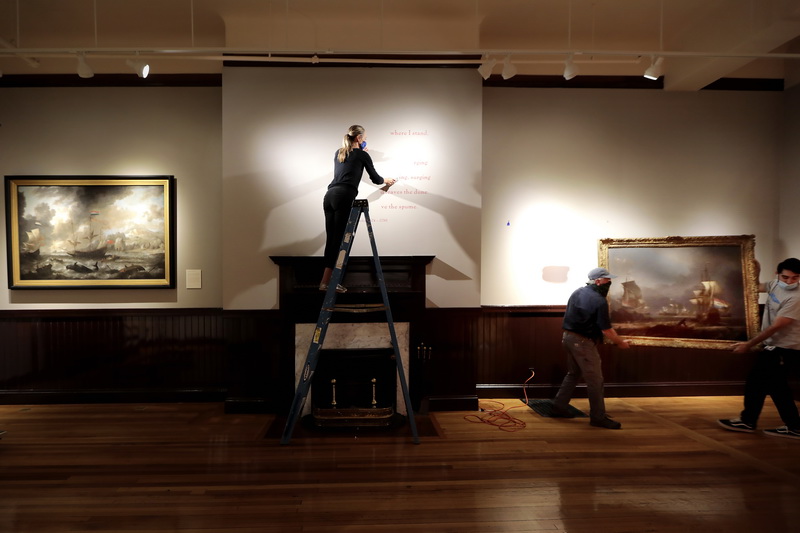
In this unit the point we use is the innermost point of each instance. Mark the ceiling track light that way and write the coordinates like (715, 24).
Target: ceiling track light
(84, 70)
(570, 68)
(509, 70)
(656, 68)
(141, 68)
(487, 65)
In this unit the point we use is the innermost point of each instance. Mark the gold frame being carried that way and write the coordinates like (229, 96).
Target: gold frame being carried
(683, 292)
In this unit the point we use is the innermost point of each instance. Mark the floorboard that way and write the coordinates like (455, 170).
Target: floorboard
(156, 468)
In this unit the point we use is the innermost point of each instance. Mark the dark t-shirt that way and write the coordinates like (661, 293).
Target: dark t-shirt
(349, 173)
(587, 313)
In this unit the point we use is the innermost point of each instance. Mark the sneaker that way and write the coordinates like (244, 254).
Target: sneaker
(736, 424)
(783, 431)
(324, 288)
(605, 423)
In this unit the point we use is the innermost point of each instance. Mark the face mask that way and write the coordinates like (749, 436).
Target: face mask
(787, 286)
(602, 289)
(363, 145)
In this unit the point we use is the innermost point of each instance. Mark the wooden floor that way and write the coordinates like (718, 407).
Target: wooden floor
(191, 468)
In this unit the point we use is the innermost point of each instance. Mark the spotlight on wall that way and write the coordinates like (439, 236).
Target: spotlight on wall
(570, 68)
(84, 70)
(509, 70)
(141, 68)
(656, 68)
(487, 64)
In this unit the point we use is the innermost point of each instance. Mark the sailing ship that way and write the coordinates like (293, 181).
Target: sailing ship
(673, 309)
(632, 296)
(31, 248)
(96, 246)
(709, 306)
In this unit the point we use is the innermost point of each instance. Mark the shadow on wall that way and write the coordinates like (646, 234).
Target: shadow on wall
(250, 199)
(463, 221)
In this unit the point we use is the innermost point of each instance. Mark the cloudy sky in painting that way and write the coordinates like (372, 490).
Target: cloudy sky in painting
(671, 273)
(65, 213)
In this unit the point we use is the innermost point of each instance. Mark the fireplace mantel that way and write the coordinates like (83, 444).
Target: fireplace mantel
(300, 298)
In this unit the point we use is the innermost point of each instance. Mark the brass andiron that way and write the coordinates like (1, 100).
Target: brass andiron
(364, 416)
(424, 352)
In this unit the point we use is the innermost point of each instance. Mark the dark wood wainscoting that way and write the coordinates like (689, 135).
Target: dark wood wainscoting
(246, 358)
(62, 356)
(490, 351)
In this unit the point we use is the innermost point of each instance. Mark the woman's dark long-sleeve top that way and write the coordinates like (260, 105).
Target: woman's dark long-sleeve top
(349, 173)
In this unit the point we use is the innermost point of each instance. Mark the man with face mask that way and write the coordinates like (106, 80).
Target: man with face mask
(780, 335)
(586, 322)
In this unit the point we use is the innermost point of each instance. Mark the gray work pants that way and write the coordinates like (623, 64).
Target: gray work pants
(583, 360)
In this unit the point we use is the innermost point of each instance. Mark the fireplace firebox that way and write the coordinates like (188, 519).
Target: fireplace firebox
(354, 387)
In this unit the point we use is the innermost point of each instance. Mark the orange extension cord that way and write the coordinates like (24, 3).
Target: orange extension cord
(499, 416)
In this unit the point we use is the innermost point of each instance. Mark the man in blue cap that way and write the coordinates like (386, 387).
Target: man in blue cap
(586, 322)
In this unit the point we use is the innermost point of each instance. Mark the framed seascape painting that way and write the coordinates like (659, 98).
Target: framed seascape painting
(692, 292)
(90, 232)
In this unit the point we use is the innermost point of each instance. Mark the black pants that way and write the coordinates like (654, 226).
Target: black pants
(770, 376)
(336, 204)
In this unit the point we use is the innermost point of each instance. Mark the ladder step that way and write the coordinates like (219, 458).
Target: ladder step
(357, 308)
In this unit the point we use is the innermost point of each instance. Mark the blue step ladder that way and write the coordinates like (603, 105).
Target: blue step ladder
(326, 312)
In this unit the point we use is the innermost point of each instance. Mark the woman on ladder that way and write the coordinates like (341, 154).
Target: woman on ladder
(349, 164)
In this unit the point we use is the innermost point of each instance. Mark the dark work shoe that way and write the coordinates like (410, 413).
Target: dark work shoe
(783, 431)
(560, 412)
(736, 424)
(605, 423)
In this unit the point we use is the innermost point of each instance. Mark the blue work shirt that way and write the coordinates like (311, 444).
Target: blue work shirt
(587, 313)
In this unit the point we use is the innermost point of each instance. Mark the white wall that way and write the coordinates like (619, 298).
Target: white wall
(124, 131)
(281, 128)
(560, 170)
(788, 234)
(565, 168)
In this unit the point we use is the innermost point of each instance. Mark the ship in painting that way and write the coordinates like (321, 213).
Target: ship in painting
(631, 307)
(674, 308)
(31, 248)
(95, 245)
(708, 302)
(632, 299)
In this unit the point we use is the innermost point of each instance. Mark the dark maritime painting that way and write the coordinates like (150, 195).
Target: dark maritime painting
(698, 292)
(76, 232)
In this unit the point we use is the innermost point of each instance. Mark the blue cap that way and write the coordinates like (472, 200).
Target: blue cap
(598, 273)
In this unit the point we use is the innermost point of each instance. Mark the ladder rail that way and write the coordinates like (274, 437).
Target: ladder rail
(325, 315)
(390, 321)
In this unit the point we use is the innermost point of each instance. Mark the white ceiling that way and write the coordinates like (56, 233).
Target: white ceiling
(700, 40)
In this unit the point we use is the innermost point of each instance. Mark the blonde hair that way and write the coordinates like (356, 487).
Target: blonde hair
(348, 140)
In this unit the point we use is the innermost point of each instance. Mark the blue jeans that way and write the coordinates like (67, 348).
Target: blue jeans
(583, 360)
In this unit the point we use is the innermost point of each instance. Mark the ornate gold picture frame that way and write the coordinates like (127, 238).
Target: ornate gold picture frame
(683, 292)
(90, 232)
